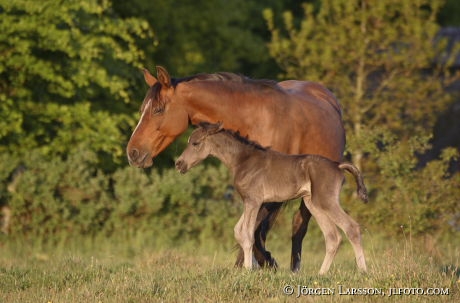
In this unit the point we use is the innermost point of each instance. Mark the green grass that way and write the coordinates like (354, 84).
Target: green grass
(106, 270)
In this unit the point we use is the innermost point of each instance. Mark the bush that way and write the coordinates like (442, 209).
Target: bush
(55, 195)
(404, 195)
(56, 198)
(72, 196)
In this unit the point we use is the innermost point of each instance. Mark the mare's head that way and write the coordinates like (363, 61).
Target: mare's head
(161, 121)
(197, 148)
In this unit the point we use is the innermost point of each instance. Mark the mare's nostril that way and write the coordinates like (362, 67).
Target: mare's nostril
(134, 154)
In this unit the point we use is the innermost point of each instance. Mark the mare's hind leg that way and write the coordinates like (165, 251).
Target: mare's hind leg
(299, 229)
(331, 234)
(351, 229)
(265, 219)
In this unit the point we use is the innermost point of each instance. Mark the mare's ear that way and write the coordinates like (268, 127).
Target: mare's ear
(149, 79)
(163, 77)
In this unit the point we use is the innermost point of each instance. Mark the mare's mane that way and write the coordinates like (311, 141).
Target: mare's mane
(158, 103)
(230, 78)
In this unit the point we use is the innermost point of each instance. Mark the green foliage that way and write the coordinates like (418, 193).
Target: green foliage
(377, 57)
(70, 70)
(54, 197)
(448, 15)
(207, 36)
(68, 74)
(406, 197)
(189, 208)
(65, 75)
(380, 60)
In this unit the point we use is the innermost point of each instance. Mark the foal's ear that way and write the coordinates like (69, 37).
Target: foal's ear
(163, 77)
(214, 128)
(149, 79)
(220, 125)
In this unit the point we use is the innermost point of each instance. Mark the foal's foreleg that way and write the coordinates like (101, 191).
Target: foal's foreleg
(244, 231)
(265, 219)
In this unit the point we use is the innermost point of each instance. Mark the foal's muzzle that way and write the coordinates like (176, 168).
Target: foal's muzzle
(181, 166)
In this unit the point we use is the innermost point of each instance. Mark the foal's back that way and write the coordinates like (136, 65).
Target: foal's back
(270, 176)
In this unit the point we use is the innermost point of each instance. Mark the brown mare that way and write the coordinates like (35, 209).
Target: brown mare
(293, 117)
(262, 175)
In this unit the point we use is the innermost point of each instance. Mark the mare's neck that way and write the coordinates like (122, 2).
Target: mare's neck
(209, 104)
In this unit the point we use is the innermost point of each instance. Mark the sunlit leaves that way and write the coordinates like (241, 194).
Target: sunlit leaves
(67, 70)
(382, 59)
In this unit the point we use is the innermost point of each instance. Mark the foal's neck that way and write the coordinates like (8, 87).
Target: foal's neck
(231, 151)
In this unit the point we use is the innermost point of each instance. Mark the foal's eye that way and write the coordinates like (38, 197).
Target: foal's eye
(196, 143)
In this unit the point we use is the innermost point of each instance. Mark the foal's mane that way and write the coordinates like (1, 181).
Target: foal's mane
(234, 134)
(245, 140)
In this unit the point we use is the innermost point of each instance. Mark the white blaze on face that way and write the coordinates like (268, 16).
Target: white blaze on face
(142, 116)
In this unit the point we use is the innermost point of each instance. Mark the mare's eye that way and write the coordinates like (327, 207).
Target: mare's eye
(158, 111)
(196, 143)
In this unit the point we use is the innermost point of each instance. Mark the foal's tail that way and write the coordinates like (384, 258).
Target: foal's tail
(362, 191)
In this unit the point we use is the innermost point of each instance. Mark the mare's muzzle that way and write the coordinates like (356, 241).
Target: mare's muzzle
(139, 158)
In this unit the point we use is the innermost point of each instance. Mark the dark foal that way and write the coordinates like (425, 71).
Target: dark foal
(262, 175)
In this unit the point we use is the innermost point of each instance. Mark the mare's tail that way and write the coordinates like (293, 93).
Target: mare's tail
(362, 191)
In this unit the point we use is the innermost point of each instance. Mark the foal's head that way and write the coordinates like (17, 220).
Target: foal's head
(198, 148)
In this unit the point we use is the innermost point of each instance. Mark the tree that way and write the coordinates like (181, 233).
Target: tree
(382, 61)
(371, 55)
(449, 14)
(207, 36)
(66, 75)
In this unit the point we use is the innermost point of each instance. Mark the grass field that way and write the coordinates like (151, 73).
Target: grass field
(132, 271)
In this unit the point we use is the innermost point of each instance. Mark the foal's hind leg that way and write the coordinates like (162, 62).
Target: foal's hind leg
(351, 229)
(331, 234)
